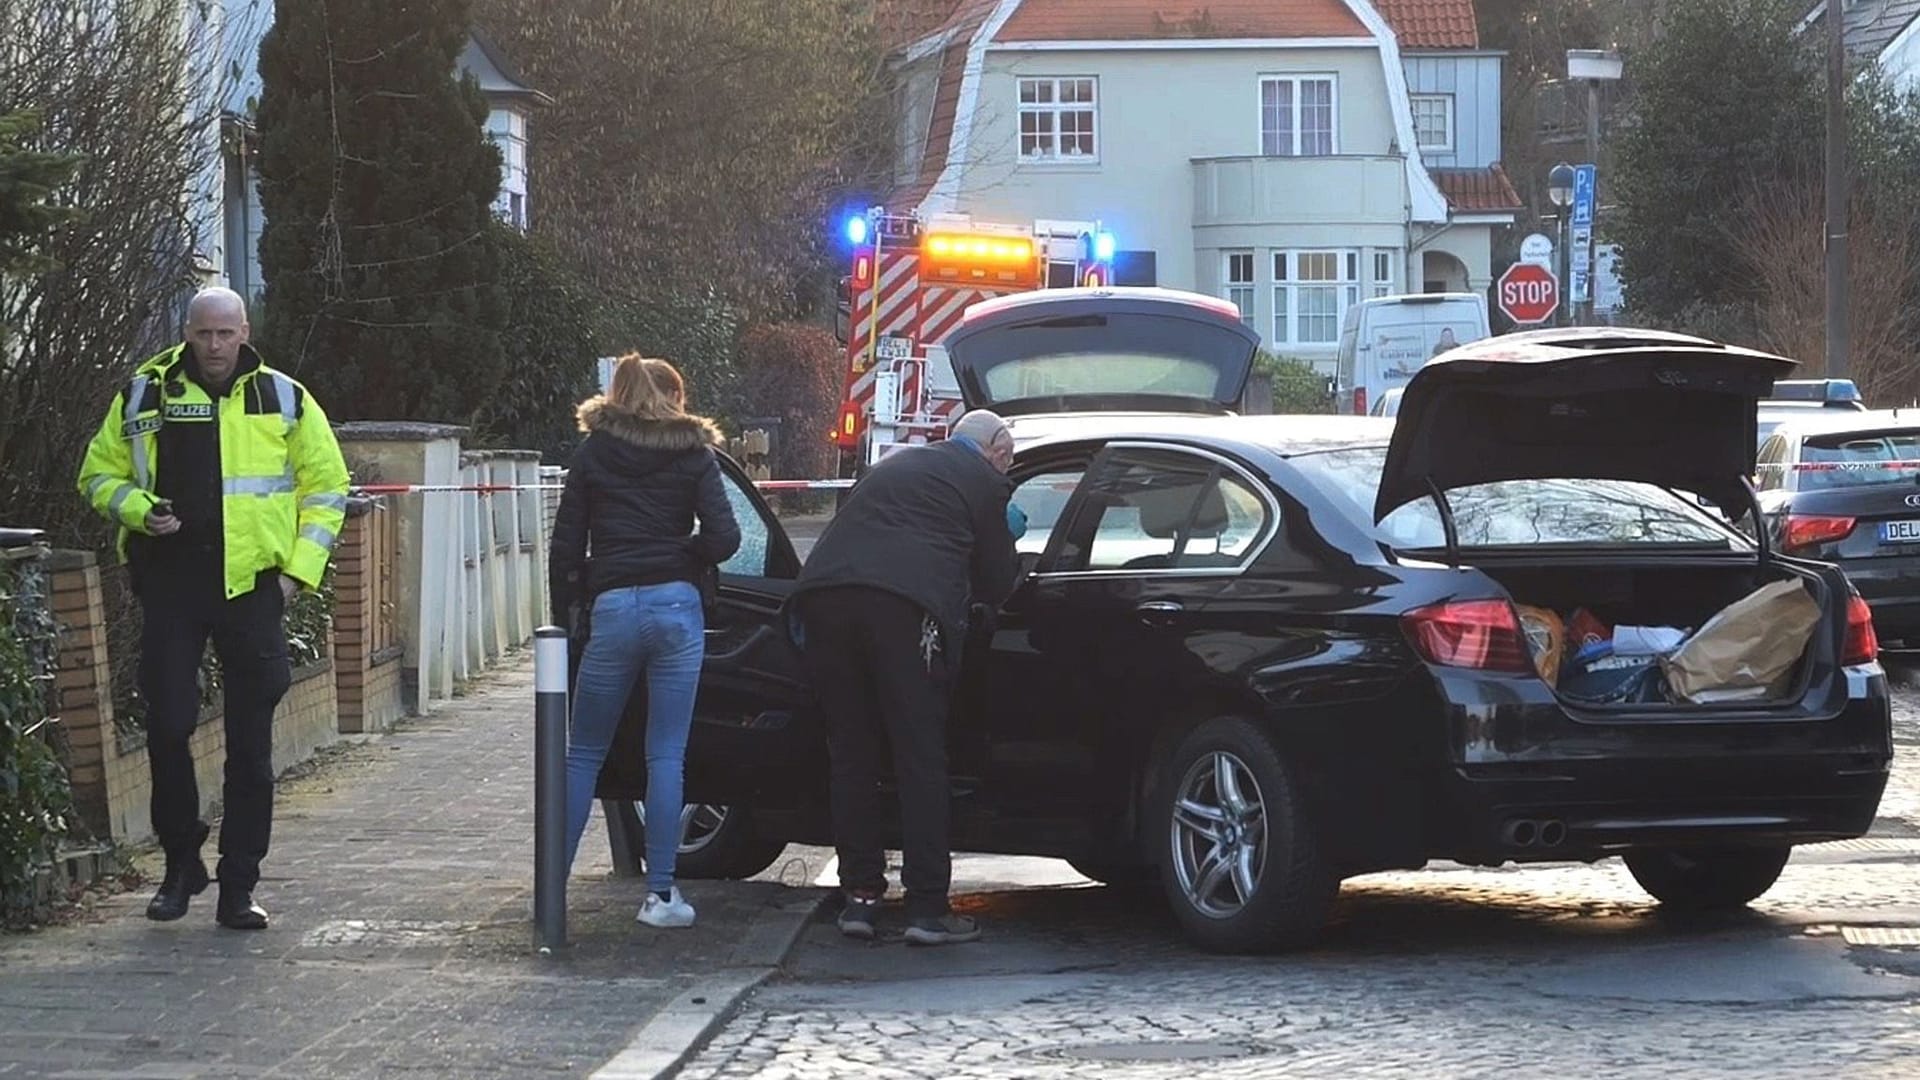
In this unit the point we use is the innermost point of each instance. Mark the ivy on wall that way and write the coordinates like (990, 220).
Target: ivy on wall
(35, 798)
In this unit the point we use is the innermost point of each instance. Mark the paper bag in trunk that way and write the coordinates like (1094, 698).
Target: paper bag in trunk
(1747, 651)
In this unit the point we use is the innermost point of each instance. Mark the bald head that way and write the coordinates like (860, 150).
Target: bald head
(216, 329)
(989, 432)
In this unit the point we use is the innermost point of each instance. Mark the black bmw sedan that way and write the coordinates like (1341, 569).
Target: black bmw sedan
(1254, 656)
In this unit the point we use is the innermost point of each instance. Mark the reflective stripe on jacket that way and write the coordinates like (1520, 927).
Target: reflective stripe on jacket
(284, 482)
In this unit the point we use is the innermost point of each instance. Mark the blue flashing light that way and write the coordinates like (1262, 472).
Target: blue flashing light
(1103, 246)
(857, 230)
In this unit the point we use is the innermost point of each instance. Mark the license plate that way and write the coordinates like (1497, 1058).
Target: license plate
(895, 348)
(1900, 532)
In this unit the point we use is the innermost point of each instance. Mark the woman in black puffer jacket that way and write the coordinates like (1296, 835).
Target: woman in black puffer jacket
(635, 488)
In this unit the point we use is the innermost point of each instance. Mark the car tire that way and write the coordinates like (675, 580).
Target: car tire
(1707, 880)
(716, 842)
(1240, 868)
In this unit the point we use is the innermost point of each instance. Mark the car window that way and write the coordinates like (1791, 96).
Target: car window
(1164, 510)
(756, 531)
(1856, 458)
(1517, 512)
(1043, 497)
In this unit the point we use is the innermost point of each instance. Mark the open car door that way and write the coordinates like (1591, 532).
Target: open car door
(756, 739)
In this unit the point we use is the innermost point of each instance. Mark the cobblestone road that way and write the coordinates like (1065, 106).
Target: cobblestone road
(1447, 972)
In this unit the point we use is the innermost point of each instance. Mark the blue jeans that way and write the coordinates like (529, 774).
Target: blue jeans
(659, 630)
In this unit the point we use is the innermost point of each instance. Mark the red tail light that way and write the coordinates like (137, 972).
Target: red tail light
(1862, 645)
(862, 270)
(1359, 401)
(1807, 531)
(1479, 634)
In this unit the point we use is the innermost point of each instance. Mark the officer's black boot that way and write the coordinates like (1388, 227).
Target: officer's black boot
(237, 911)
(186, 878)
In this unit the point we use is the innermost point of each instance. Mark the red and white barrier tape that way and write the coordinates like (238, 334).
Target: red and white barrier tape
(502, 489)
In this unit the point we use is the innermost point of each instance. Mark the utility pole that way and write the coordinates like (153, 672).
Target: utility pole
(1837, 188)
(1593, 156)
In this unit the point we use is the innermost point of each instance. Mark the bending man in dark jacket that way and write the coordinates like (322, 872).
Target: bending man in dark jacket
(882, 607)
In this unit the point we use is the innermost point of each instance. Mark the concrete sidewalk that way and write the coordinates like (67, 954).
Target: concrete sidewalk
(400, 886)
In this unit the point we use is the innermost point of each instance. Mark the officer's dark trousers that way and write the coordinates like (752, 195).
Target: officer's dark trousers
(866, 659)
(179, 618)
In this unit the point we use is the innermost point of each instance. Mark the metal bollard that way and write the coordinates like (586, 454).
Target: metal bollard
(550, 786)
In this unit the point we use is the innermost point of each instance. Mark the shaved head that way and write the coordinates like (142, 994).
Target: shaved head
(219, 302)
(990, 433)
(216, 329)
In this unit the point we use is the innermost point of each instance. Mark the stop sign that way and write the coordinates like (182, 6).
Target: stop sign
(1528, 293)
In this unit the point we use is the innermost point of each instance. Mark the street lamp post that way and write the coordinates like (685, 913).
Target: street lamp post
(1560, 190)
(1594, 66)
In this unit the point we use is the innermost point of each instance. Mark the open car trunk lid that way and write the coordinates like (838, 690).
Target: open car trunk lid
(1102, 350)
(1584, 403)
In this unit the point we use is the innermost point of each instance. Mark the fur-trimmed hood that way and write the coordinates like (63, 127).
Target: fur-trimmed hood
(676, 435)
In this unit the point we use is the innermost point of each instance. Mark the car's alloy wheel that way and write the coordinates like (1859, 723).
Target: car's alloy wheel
(1239, 862)
(700, 824)
(715, 842)
(1219, 835)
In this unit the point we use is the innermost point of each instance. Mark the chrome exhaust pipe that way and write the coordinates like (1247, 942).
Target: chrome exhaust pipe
(1552, 833)
(1520, 833)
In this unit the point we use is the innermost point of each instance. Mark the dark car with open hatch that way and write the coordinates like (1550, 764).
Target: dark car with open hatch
(1254, 656)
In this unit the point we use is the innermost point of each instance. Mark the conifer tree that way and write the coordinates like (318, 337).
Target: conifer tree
(376, 181)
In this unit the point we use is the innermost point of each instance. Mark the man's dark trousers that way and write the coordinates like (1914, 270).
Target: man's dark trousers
(180, 613)
(876, 663)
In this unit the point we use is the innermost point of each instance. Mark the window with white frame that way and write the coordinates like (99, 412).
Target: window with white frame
(1383, 273)
(1058, 117)
(1312, 291)
(1433, 121)
(1297, 116)
(1238, 275)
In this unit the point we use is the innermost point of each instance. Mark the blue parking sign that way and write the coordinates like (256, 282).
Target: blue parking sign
(1583, 177)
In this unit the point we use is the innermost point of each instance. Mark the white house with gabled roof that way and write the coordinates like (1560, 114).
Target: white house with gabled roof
(1264, 151)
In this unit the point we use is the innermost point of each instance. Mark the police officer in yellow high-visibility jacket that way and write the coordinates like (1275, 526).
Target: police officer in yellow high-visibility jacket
(229, 490)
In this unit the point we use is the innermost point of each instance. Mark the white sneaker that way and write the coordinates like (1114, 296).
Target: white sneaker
(667, 914)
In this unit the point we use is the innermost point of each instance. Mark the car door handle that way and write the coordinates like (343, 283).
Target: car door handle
(1156, 612)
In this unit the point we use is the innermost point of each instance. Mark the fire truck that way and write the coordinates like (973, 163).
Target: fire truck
(912, 279)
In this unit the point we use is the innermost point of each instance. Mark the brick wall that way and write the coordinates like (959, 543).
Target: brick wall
(110, 780)
(82, 680)
(366, 649)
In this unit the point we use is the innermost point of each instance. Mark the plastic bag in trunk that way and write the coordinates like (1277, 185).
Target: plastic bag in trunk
(1748, 650)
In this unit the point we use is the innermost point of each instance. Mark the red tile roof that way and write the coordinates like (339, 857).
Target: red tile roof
(946, 105)
(1431, 24)
(1114, 20)
(905, 22)
(1477, 191)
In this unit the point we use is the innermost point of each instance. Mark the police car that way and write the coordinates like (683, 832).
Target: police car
(1797, 399)
(1843, 486)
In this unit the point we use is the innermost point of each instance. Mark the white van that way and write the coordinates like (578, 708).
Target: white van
(1384, 340)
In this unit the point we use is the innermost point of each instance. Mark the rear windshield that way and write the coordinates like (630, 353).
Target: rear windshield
(1519, 512)
(1120, 353)
(1856, 458)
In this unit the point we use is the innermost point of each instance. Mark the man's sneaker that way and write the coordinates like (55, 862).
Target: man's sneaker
(945, 930)
(671, 913)
(857, 915)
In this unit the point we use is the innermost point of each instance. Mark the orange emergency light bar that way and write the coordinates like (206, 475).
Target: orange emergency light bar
(1005, 262)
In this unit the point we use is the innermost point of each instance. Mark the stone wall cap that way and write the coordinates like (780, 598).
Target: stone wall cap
(398, 431)
(70, 559)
